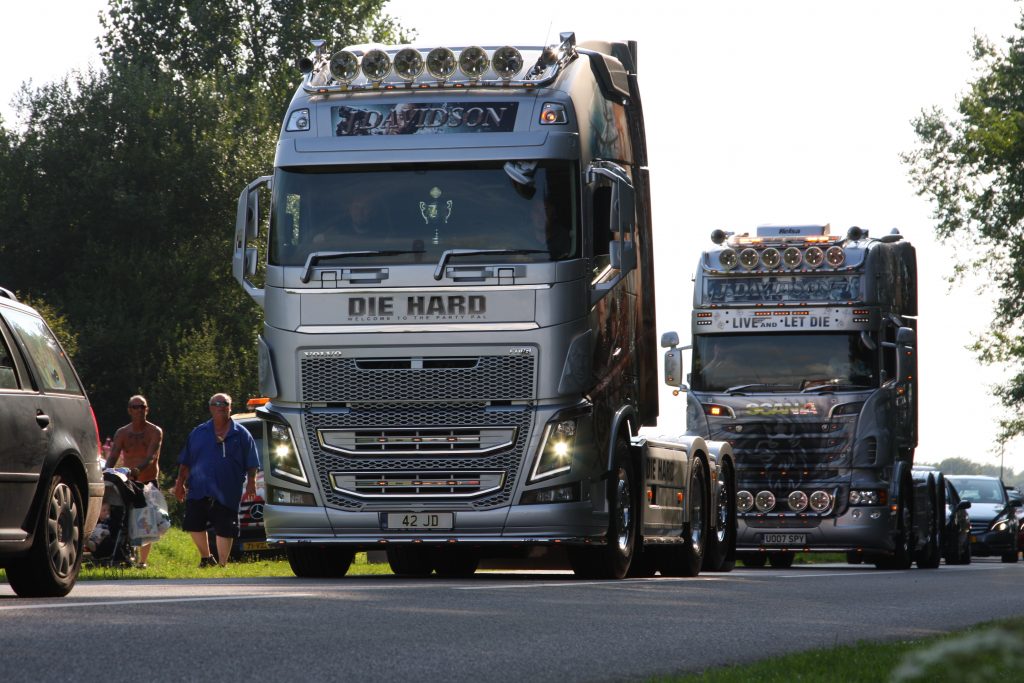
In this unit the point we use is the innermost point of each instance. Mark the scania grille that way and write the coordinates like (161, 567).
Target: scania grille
(476, 378)
(476, 441)
(787, 443)
(448, 484)
(406, 467)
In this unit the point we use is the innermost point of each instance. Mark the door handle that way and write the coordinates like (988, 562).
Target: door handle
(42, 419)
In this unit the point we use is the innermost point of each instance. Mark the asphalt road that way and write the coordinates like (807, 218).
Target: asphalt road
(493, 627)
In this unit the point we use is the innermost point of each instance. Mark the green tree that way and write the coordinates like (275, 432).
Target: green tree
(118, 195)
(970, 165)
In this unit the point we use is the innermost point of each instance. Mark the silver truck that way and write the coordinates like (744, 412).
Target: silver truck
(804, 360)
(459, 341)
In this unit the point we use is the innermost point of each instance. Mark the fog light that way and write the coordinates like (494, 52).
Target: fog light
(765, 501)
(569, 493)
(278, 496)
(820, 501)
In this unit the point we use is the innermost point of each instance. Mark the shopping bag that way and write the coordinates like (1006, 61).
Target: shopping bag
(148, 524)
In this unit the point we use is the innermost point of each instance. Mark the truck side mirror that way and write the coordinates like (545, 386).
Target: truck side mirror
(674, 368)
(669, 339)
(245, 259)
(906, 356)
(252, 214)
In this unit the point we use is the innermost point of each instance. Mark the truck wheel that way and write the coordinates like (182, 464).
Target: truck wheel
(781, 559)
(410, 562)
(720, 555)
(754, 560)
(324, 562)
(686, 558)
(901, 557)
(455, 564)
(930, 556)
(52, 564)
(612, 560)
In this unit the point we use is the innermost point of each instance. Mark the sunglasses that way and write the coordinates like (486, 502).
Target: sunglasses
(219, 404)
(137, 407)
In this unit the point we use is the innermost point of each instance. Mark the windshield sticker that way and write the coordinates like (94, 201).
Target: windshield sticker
(423, 118)
(782, 289)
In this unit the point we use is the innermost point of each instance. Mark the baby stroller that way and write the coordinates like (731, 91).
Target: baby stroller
(110, 542)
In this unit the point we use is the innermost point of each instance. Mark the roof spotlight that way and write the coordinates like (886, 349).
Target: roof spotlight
(441, 63)
(814, 256)
(728, 258)
(408, 63)
(376, 65)
(835, 256)
(792, 257)
(718, 236)
(748, 258)
(473, 62)
(344, 66)
(855, 234)
(507, 62)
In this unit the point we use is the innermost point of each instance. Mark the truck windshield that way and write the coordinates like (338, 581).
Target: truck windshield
(756, 363)
(415, 213)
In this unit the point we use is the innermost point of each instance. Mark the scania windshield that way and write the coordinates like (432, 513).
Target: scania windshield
(415, 213)
(757, 363)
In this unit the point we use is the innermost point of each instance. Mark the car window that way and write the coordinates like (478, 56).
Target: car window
(8, 376)
(980, 491)
(44, 352)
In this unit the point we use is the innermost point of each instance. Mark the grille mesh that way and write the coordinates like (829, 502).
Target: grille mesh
(484, 378)
(377, 416)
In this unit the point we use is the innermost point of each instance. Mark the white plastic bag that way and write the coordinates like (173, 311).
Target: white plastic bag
(148, 524)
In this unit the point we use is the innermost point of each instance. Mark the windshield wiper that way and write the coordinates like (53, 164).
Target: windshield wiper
(831, 387)
(740, 389)
(318, 256)
(448, 253)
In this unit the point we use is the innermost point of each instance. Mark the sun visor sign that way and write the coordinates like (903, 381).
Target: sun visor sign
(424, 118)
(782, 289)
(418, 308)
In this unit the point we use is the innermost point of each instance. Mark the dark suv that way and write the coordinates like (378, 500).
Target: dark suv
(51, 485)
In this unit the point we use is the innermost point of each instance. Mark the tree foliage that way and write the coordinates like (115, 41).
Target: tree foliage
(118, 193)
(971, 167)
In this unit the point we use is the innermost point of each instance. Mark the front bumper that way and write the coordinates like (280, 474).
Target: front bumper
(990, 543)
(568, 523)
(863, 528)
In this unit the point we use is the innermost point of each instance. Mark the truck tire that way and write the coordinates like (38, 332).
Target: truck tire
(754, 560)
(51, 567)
(455, 563)
(612, 561)
(320, 562)
(901, 557)
(720, 555)
(686, 558)
(410, 562)
(930, 556)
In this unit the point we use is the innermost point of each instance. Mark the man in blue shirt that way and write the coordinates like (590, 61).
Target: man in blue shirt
(217, 457)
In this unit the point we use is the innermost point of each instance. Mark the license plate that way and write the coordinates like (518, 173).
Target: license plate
(419, 520)
(784, 539)
(253, 546)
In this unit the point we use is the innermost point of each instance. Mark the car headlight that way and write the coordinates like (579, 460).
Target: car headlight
(283, 456)
(1001, 525)
(555, 455)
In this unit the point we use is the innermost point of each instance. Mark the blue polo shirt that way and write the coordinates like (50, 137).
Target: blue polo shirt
(217, 470)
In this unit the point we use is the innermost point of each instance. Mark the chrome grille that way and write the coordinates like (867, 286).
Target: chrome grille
(477, 378)
(417, 484)
(516, 420)
(415, 441)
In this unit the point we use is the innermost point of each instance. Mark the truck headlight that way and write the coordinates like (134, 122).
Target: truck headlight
(867, 497)
(283, 456)
(556, 449)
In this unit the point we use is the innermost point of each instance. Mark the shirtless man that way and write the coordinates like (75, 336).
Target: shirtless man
(139, 441)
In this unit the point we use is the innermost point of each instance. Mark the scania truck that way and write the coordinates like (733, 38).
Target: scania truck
(459, 342)
(804, 360)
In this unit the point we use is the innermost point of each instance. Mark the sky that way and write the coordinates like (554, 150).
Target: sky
(788, 111)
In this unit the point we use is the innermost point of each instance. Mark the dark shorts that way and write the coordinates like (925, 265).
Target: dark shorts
(201, 513)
